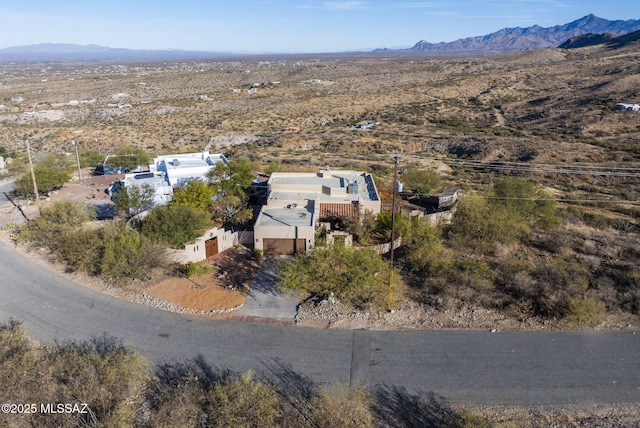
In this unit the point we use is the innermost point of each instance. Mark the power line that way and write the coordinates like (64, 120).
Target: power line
(555, 199)
(583, 169)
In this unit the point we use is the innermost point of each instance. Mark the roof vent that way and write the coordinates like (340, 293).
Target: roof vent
(176, 162)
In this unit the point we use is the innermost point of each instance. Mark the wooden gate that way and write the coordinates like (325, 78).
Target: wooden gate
(211, 247)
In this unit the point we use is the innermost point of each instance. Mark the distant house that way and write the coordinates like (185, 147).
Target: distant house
(291, 129)
(297, 203)
(628, 107)
(444, 200)
(115, 164)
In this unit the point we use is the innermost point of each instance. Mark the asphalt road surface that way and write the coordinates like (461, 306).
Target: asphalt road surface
(465, 367)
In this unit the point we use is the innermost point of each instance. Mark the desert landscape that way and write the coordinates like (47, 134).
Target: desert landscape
(548, 117)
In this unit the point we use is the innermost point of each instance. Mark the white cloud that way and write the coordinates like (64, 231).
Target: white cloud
(417, 4)
(344, 5)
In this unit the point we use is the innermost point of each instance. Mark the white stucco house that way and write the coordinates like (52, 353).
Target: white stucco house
(298, 202)
(163, 191)
(169, 172)
(182, 168)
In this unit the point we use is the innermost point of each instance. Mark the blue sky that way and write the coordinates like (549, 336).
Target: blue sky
(282, 26)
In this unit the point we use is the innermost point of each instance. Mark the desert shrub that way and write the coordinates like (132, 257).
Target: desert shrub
(51, 173)
(128, 254)
(383, 225)
(103, 373)
(81, 250)
(362, 229)
(176, 404)
(175, 224)
(475, 274)
(585, 312)
(197, 268)
(90, 158)
(360, 277)
(340, 406)
(520, 197)
(134, 199)
(479, 224)
(421, 182)
(242, 401)
(426, 253)
(54, 223)
(18, 365)
(129, 157)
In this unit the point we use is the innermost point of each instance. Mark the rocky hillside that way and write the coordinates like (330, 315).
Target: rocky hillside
(536, 37)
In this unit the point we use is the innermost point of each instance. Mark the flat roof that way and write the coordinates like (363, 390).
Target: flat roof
(366, 188)
(285, 217)
(156, 180)
(190, 160)
(286, 196)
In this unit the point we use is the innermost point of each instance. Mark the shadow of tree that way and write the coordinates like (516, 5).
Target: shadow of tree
(396, 407)
(295, 390)
(170, 375)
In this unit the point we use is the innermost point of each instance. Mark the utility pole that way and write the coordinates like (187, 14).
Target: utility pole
(393, 223)
(73, 142)
(33, 176)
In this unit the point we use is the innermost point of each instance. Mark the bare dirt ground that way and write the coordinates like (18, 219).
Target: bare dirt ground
(224, 289)
(201, 293)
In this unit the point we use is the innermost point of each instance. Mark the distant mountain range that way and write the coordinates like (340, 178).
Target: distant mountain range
(536, 37)
(582, 32)
(72, 52)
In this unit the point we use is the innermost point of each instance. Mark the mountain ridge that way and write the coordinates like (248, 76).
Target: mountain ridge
(519, 39)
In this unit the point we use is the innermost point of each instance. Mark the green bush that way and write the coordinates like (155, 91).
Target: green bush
(129, 255)
(134, 199)
(51, 173)
(55, 223)
(426, 253)
(478, 224)
(360, 277)
(175, 224)
(340, 406)
(585, 312)
(421, 182)
(195, 194)
(198, 268)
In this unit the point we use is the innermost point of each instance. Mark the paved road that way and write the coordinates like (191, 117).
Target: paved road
(484, 368)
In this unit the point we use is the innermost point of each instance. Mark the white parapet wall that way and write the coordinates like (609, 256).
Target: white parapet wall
(197, 251)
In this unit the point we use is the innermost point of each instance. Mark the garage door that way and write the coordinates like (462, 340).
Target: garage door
(211, 247)
(284, 246)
